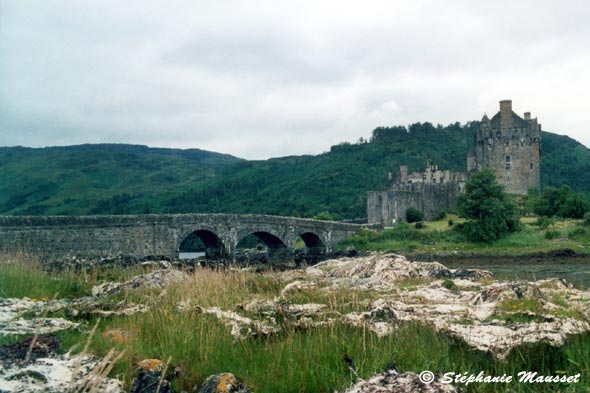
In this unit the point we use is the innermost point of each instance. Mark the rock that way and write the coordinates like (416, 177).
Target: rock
(498, 292)
(12, 322)
(53, 374)
(298, 286)
(381, 272)
(242, 327)
(223, 383)
(154, 280)
(392, 381)
(45, 345)
(149, 377)
(118, 336)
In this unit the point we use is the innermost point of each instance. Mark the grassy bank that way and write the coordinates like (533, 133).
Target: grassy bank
(439, 237)
(294, 360)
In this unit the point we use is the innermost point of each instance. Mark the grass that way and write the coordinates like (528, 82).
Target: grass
(23, 276)
(439, 238)
(294, 360)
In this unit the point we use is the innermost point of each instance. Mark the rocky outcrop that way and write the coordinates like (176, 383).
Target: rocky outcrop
(382, 272)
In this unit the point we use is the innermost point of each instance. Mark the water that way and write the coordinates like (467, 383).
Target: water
(575, 270)
(191, 255)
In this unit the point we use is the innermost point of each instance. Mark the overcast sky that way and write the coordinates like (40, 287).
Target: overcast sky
(261, 79)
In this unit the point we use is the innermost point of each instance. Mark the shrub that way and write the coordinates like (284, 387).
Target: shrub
(414, 215)
(562, 202)
(451, 223)
(586, 220)
(543, 222)
(449, 284)
(419, 225)
(551, 235)
(578, 233)
(440, 216)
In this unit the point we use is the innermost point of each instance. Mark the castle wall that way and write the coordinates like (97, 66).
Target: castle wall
(388, 207)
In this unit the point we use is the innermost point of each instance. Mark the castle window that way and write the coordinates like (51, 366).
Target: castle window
(507, 158)
(531, 165)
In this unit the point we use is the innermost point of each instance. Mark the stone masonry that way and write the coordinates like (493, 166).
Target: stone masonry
(431, 192)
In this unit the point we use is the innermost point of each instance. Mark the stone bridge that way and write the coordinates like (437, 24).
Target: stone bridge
(164, 235)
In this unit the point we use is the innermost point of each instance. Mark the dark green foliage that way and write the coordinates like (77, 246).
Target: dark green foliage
(575, 206)
(449, 284)
(561, 202)
(578, 233)
(100, 179)
(403, 232)
(484, 202)
(551, 234)
(586, 221)
(335, 182)
(440, 216)
(451, 223)
(414, 215)
(325, 216)
(544, 222)
(419, 225)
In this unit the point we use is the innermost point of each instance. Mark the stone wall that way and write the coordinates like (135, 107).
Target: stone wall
(388, 207)
(143, 235)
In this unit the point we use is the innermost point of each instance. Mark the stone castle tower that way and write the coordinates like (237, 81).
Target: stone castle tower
(511, 146)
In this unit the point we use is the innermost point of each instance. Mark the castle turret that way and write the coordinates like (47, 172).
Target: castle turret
(510, 145)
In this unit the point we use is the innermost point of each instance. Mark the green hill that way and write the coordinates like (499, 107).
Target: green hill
(95, 179)
(103, 179)
(337, 181)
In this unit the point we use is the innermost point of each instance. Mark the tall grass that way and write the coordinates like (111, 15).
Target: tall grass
(22, 276)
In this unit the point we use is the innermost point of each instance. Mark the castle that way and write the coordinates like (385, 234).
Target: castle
(508, 144)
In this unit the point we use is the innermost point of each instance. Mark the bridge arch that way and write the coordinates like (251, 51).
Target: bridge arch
(313, 248)
(202, 241)
(274, 248)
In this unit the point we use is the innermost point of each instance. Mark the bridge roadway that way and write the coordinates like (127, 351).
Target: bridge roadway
(163, 234)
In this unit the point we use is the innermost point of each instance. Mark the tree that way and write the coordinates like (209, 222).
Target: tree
(485, 203)
(561, 202)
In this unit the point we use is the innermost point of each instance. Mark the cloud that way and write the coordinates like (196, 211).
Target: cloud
(271, 78)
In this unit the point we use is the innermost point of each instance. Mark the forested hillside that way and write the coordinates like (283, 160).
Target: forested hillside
(97, 179)
(121, 179)
(336, 182)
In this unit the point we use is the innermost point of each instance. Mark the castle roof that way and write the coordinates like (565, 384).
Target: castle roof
(517, 121)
